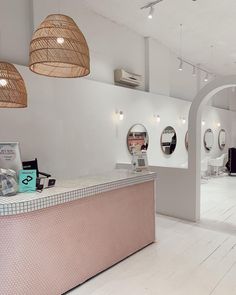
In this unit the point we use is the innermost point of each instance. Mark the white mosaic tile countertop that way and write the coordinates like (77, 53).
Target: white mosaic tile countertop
(70, 190)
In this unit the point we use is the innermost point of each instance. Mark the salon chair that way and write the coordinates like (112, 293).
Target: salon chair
(217, 164)
(204, 168)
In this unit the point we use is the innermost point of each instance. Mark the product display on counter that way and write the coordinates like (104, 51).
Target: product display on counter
(10, 157)
(8, 182)
(43, 180)
(27, 181)
(139, 161)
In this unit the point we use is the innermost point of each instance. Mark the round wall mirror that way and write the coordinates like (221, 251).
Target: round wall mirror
(222, 139)
(168, 140)
(186, 140)
(137, 138)
(208, 140)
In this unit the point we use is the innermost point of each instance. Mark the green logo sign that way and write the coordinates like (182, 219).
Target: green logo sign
(27, 180)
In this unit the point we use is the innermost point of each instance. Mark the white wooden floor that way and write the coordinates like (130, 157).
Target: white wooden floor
(188, 259)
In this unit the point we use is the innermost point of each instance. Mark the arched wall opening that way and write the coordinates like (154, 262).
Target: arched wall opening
(194, 159)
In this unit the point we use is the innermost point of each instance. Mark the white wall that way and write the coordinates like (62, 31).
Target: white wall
(15, 30)
(71, 126)
(157, 67)
(212, 117)
(111, 45)
(141, 109)
(68, 125)
(183, 84)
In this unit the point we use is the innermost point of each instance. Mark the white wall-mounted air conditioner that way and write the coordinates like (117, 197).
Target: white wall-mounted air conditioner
(126, 78)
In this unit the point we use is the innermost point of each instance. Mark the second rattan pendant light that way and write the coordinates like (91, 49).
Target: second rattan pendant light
(59, 49)
(12, 87)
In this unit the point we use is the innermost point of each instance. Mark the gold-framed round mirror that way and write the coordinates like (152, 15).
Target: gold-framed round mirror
(208, 140)
(186, 140)
(222, 139)
(137, 138)
(168, 140)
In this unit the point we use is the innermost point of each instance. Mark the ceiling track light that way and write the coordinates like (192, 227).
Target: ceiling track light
(181, 65)
(151, 12)
(151, 7)
(195, 69)
(206, 77)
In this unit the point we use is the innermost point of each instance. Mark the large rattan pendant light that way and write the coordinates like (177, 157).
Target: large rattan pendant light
(59, 49)
(12, 87)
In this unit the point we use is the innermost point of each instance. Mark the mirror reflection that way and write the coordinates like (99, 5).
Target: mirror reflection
(168, 140)
(222, 139)
(137, 138)
(186, 140)
(208, 139)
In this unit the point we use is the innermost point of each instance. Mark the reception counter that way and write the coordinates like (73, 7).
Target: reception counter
(50, 242)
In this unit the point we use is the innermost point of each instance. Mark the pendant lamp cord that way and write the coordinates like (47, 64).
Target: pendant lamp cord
(59, 6)
(212, 53)
(181, 42)
(0, 43)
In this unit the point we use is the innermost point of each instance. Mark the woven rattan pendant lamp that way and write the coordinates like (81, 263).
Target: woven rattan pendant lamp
(59, 49)
(12, 87)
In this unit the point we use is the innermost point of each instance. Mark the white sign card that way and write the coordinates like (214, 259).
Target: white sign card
(10, 156)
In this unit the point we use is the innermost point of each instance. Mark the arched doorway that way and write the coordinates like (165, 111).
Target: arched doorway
(195, 114)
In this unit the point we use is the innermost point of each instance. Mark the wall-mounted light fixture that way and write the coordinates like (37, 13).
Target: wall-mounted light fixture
(218, 124)
(203, 123)
(157, 118)
(183, 120)
(120, 115)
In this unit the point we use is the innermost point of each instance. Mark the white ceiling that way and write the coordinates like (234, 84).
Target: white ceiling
(205, 23)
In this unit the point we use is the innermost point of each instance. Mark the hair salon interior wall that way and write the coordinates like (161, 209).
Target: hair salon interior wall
(111, 45)
(71, 126)
(68, 125)
(171, 112)
(15, 30)
(211, 117)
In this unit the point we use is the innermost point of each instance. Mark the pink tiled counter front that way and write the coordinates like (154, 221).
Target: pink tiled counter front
(49, 251)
